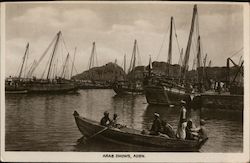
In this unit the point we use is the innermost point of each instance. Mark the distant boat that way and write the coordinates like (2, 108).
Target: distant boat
(53, 83)
(160, 90)
(131, 85)
(90, 82)
(17, 84)
(130, 138)
(230, 99)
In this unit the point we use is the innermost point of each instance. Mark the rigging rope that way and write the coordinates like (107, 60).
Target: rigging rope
(237, 52)
(43, 55)
(177, 39)
(139, 56)
(25, 67)
(164, 39)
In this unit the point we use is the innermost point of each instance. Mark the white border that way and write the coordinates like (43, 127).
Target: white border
(149, 156)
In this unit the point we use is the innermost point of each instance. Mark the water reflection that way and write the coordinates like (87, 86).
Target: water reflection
(45, 122)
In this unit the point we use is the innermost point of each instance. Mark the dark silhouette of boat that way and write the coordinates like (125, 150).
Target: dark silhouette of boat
(53, 83)
(167, 90)
(131, 138)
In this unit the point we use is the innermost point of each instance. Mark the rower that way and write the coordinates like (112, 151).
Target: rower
(105, 121)
(156, 126)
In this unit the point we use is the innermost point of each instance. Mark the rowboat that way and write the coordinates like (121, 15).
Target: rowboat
(133, 139)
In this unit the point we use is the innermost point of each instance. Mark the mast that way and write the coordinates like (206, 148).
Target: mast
(204, 66)
(53, 53)
(198, 65)
(64, 66)
(134, 61)
(210, 63)
(170, 46)
(180, 63)
(198, 54)
(187, 53)
(91, 59)
(124, 63)
(24, 57)
(73, 63)
(134, 54)
(149, 66)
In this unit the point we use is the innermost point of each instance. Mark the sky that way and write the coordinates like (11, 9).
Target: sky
(114, 27)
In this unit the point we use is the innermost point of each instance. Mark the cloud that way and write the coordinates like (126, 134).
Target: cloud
(114, 28)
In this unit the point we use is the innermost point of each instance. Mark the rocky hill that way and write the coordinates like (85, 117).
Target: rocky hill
(111, 71)
(107, 72)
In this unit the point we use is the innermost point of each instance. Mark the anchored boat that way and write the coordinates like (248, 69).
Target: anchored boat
(131, 138)
(162, 90)
(18, 84)
(132, 85)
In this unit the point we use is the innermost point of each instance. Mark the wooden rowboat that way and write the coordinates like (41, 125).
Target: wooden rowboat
(133, 139)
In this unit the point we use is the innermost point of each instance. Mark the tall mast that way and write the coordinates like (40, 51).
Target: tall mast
(134, 54)
(24, 57)
(198, 54)
(64, 66)
(210, 63)
(170, 46)
(53, 53)
(198, 65)
(180, 63)
(187, 53)
(149, 66)
(73, 63)
(204, 67)
(91, 59)
(134, 61)
(124, 63)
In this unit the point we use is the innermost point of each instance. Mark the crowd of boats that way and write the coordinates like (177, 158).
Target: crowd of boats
(160, 89)
(168, 88)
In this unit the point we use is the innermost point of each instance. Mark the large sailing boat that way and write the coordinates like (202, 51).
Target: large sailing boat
(169, 90)
(18, 84)
(56, 81)
(132, 85)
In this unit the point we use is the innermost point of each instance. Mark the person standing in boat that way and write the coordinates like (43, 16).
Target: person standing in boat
(181, 131)
(105, 121)
(156, 126)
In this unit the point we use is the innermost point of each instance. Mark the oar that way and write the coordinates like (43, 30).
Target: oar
(84, 139)
(99, 132)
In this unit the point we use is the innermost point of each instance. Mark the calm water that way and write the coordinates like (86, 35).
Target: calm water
(46, 123)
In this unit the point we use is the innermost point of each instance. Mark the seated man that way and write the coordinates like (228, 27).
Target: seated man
(190, 131)
(202, 131)
(196, 133)
(156, 126)
(167, 129)
(105, 121)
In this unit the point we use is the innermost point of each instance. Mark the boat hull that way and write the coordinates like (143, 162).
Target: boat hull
(161, 95)
(132, 139)
(127, 91)
(228, 102)
(51, 88)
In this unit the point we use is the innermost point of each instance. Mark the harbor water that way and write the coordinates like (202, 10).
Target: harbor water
(44, 122)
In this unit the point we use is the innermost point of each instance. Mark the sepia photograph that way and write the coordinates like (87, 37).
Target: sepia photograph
(124, 80)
